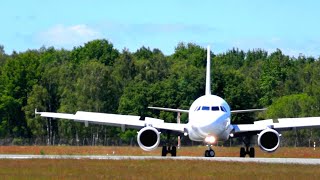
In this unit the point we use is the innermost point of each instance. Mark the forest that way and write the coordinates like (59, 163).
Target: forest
(100, 78)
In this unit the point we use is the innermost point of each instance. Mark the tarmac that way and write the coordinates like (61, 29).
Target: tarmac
(302, 161)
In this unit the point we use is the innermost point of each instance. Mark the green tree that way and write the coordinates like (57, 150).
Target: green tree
(19, 74)
(38, 98)
(100, 50)
(274, 74)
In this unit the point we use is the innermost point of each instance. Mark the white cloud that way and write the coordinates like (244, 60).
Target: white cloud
(67, 36)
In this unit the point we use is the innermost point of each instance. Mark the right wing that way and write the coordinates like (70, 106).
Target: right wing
(117, 120)
(281, 124)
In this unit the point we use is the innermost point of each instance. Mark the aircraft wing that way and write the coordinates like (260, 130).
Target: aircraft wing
(122, 121)
(281, 124)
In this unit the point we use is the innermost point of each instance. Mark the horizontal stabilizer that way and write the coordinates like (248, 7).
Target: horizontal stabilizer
(247, 110)
(169, 109)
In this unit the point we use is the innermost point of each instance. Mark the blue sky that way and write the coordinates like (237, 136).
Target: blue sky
(292, 26)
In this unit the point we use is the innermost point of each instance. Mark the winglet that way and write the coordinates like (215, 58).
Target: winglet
(208, 83)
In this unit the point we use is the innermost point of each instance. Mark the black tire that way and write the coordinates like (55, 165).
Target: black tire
(242, 152)
(164, 151)
(206, 153)
(174, 151)
(251, 152)
(211, 153)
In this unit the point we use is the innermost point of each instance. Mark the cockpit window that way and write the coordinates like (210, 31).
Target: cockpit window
(223, 109)
(215, 108)
(211, 108)
(205, 108)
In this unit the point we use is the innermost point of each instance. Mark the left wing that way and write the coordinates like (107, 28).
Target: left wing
(122, 121)
(281, 124)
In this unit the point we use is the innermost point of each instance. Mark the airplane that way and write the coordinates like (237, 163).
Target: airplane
(209, 121)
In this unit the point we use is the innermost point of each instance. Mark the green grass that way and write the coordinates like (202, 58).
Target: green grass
(282, 152)
(151, 169)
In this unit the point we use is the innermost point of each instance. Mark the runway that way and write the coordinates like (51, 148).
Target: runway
(302, 161)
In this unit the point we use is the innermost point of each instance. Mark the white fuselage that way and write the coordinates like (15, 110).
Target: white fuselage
(209, 116)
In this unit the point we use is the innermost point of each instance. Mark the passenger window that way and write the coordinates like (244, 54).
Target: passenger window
(215, 108)
(205, 108)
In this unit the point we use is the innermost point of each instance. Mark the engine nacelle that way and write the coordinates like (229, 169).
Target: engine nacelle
(148, 138)
(269, 140)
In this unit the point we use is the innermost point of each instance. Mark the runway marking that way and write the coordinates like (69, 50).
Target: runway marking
(303, 161)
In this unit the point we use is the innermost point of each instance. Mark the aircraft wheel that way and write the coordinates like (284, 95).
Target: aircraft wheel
(251, 152)
(242, 152)
(206, 153)
(164, 151)
(174, 151)
(211, 153)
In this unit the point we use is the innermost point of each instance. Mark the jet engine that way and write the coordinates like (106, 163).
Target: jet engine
(148, 138)
(269, 140)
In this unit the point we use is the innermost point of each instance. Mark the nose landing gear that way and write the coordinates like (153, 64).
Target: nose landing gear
(210, 152)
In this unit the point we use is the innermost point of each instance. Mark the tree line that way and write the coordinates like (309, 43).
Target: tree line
(97, 77)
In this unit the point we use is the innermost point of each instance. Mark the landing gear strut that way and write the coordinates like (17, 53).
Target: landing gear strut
(210, 152)
(168, 149)
(248, 149)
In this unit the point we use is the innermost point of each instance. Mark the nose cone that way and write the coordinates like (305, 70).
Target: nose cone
(213, 120)
(212, 124)
(209, 125)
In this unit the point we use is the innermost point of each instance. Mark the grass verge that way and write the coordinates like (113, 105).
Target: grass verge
(151, 169)
(283, 152)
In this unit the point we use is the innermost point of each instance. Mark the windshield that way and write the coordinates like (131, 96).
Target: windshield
(210, 108)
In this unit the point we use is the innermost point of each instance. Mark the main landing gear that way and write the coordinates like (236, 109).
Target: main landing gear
(210, 152)
(248, 150)
(168, 149)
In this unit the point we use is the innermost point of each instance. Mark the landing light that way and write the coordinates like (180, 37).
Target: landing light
(210, 139)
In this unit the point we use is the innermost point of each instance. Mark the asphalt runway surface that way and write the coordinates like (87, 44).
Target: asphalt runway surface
(302, 161)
